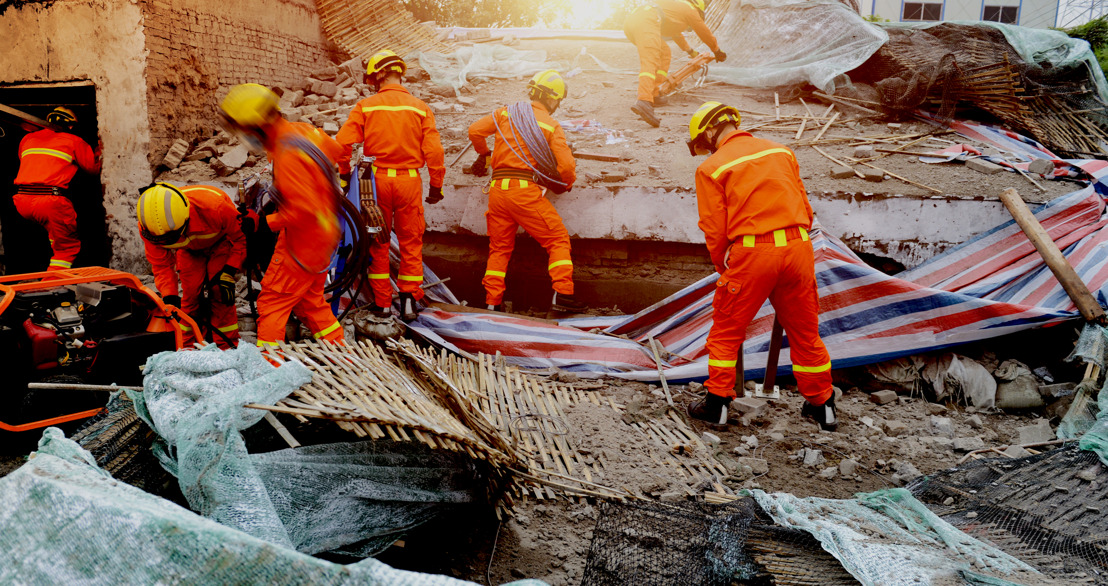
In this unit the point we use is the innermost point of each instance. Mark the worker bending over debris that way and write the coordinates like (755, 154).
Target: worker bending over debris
(48, 160)
(529, 154)
(398, 130)
(306, 182)
(193, 232)
(647, 27)
(755, 215)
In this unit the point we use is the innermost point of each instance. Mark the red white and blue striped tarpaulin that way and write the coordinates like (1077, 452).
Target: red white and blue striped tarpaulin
(992, 285)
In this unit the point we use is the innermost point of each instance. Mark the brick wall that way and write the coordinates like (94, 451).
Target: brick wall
(197, 47)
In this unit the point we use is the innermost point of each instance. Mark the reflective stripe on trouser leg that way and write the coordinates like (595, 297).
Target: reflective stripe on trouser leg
(539, 218)
(408, 223)
(191, 267)
(740, 293)
(501, 228)
(796, 290)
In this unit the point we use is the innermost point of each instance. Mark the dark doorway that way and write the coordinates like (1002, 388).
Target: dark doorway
(26, 247)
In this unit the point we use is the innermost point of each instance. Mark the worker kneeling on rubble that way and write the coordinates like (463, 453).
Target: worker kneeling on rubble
(192, 233)
(48, 160)
(398, 131)
(529, 153)
(755, 215)
(647, 27)
(306, 185)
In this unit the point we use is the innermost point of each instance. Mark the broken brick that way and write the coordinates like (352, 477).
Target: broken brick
(841, 172)
(750, 406)
(873, 175)
(176, 154)
(882, 397)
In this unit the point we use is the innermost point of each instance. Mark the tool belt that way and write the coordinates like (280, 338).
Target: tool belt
(40, 189)
(776, 238)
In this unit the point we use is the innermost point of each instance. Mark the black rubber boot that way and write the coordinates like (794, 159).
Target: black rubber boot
(408, 309)
(567, 304)
(380, 312)
(645, 110)
(712, 409)
(824, 414)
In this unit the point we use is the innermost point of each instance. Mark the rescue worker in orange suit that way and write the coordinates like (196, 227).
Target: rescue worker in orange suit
(399, 131)
(48, 160)
(192, 236)
(516, 197)
(755, 215)
(305, 178)
(647, 27)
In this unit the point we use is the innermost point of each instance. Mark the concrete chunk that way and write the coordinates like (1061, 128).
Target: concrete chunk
(1036, 433)
(968, 444)
(235, 158)
(1016, 452)
(176, 154)
(848, 467)
(864, 152)
(758, 466)
(942, 426)
(750, 406)
(882, 397)
(895, 428)
(330, 128)
(1041, 166)
(983, 166)
(841, 172)
(873, 175)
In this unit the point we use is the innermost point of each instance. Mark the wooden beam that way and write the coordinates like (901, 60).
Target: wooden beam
(597, 157)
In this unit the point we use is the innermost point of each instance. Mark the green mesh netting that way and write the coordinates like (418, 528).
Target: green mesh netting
(65, 521)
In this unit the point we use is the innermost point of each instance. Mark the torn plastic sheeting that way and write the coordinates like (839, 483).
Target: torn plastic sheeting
(889, 538)
(63, 520)
(776, 43)
(481, 62)
(1087, 417)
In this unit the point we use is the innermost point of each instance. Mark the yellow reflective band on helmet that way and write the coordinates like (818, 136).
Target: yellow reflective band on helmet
(190, 238)
(559, 263)
(804, 235)
(378, 275)
(327, 330)
(820, 368)
(722, 363)
(48, 152)
(779, 238)
(740, 160)
(410, 278)
(56, 262)
(394, 109)
(262, 344)
(748, 240)
(226, 329)
(647, 74)
(495, 273)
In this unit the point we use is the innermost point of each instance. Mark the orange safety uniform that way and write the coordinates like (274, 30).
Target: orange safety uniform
(47, 159)
(212, 241)
(399, 130)
(649, 25)
(308, 227)
(515, 201)
(753, 204)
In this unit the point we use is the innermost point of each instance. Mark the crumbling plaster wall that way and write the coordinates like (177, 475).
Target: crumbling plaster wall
(197, 47)
(99, 41)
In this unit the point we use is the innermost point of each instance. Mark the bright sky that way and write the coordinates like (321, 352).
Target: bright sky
(585, 14)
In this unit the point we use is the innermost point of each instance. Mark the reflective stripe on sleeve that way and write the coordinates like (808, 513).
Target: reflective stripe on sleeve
(743, 159)
(48, 152)
(821, 368)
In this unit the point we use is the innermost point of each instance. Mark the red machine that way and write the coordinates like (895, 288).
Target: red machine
(89, 325)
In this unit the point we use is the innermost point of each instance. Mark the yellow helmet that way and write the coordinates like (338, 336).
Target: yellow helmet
(547, 84)
(163, 213)
(62, 116)
(706, 117)
(250, 105)
(700, 5)
(385, 61)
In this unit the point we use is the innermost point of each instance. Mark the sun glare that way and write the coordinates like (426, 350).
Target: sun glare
(587, 14)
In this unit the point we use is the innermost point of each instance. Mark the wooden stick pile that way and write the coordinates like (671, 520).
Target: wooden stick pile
(493, 412)
(363, 27)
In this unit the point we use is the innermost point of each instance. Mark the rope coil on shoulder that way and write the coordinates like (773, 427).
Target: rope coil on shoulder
(522, 117)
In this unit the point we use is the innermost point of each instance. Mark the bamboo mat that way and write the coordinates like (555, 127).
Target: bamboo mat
(364, 27)
(491, 411)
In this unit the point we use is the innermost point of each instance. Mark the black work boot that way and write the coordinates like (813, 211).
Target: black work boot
(712, 408)
(823, 414)
(645, 110)
(380, 312)
(408, 309)
(496, 307)
(567, 304)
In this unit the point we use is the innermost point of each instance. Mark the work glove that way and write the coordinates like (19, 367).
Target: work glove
(479, 168)
(174, 300)
(719, 55)
(434, 195)
(692, 53)
(251, 222)
(225, 285)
